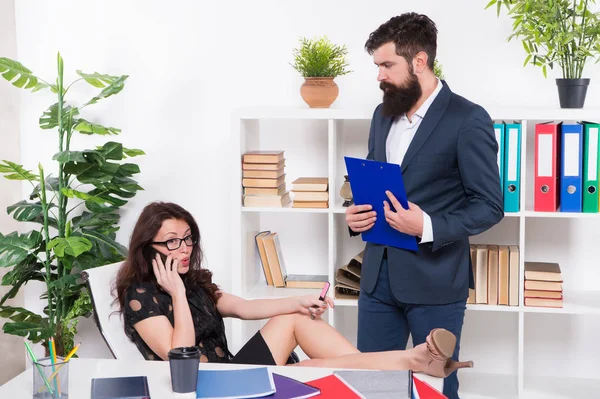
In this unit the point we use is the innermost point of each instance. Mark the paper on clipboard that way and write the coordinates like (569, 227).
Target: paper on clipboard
(369, 181)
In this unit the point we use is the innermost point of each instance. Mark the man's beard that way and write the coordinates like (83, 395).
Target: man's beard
(399, 100)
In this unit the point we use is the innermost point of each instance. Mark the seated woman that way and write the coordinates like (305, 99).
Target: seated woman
(169, 300)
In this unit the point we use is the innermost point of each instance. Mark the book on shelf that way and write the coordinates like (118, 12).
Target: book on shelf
(310, 204)
(496, 274)
(264, 166)
(263, 183)
(265, 190)
(273, 264)
(543, 284)
(263, 157)
(305, 280)
(272, 201)
(310, 184)
(263, 174)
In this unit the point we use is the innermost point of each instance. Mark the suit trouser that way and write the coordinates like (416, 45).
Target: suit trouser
(385, 323)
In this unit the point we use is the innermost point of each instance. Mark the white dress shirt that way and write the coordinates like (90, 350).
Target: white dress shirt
(398, 140)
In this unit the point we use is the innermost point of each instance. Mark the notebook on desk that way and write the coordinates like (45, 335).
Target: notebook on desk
(289, 388)
(120, 388)
(379, 384)
(235, 384)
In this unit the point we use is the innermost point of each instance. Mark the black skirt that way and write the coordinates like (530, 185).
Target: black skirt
(255, 351)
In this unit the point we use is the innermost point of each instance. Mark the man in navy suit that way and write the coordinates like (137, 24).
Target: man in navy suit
(447, 150)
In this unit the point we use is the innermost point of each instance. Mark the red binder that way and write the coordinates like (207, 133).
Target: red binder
(546, 192)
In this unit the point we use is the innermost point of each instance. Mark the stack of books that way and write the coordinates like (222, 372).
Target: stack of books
(310, 192)
(543, 285)
(263, 178)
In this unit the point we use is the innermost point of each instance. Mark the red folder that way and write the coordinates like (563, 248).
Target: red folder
(426, 391)
(546, 192)
(334, 388)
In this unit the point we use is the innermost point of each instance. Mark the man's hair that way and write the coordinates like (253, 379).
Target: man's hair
(411, 32)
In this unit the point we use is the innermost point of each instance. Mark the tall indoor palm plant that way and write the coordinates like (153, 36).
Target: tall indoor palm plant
(74, 213)
(557, 32)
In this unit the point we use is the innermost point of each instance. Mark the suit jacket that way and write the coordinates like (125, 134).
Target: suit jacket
(450, 171)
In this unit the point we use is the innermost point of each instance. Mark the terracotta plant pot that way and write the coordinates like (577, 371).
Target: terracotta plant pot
(319, 92)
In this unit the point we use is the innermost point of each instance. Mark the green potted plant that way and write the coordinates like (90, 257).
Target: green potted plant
(557, 32)
(74, 212)
(319, 61)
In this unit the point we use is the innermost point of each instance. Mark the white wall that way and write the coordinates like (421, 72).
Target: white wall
(9, 190)
(191, 63)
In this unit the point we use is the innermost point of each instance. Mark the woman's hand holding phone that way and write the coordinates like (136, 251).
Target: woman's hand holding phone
(167, 276)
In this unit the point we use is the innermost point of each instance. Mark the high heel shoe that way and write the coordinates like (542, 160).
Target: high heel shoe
(440, 345)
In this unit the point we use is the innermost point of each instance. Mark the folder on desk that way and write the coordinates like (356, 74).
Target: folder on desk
(591, 161)
(512, 167)
(243, 383)
(369, 181)
(571, 177)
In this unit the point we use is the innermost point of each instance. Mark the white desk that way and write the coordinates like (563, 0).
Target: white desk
(81, 372)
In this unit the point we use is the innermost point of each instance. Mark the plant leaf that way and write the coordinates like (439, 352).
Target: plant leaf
(49, 119)
(103, 240)
(86, 127)
(13, 171)
(25, 78)
(113, 88)
(133, 152)
(111, 150)
(29, 324)
(73, 246)
(15, 247)
(27, 270)
(97, 79)
(88, 156)
(71, 193)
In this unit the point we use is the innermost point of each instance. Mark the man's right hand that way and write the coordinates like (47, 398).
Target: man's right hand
(359, 218)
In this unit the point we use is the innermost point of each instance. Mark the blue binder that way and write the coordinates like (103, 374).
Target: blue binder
(369, 181)
(571, 177)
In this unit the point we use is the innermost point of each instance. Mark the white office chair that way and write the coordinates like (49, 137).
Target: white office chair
(99, 282)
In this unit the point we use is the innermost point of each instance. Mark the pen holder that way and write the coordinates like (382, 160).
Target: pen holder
(50, 380)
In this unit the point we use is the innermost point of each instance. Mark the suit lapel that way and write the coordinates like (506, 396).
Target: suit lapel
(432, 117)
(386, 125)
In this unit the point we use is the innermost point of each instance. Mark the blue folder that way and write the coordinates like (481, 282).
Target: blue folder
(234, 384)
(369, 181)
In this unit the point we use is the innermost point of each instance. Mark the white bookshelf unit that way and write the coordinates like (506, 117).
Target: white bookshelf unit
(518, 351)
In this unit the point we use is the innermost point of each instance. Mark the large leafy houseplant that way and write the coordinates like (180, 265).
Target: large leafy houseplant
(74, 212)
(563, 33)
(319, 61)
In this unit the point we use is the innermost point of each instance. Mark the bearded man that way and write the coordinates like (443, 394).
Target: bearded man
(447, 150)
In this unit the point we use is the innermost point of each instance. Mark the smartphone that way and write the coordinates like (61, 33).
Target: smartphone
(151, 254)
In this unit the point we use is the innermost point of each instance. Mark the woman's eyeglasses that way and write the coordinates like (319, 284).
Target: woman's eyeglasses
(175, 243)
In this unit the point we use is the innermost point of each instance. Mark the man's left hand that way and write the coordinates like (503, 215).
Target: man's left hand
(409, 221)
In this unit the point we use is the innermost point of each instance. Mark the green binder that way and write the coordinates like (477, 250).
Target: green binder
(591, 161)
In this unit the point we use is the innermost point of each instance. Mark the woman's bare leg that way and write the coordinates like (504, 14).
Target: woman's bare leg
(316, 338)
(388, 360)
(326, 347)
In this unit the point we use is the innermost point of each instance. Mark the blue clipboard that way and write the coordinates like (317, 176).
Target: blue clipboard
(369, 181)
